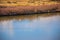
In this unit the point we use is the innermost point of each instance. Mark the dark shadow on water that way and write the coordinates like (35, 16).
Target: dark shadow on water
(28, 16)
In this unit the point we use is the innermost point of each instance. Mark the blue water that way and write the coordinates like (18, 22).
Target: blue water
(37, 28)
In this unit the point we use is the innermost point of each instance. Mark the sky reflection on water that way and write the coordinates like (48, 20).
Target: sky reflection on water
(40, 28)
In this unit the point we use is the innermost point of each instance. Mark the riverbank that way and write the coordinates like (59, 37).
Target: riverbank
(29, 8)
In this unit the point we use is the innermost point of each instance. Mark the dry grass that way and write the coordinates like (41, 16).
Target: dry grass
(28, 4)
(28, 8)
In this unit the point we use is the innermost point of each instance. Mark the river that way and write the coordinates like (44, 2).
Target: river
(30, 27)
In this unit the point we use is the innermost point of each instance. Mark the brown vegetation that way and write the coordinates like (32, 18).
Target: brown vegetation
(29, 9)
(15, 8)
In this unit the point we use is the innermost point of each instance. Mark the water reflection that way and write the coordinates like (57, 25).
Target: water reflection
(31, 27)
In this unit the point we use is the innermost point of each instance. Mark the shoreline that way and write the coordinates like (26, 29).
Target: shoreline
(27, 16)
(22, 10)
(57, 12)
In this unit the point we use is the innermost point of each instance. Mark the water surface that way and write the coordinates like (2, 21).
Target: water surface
(30, 27)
